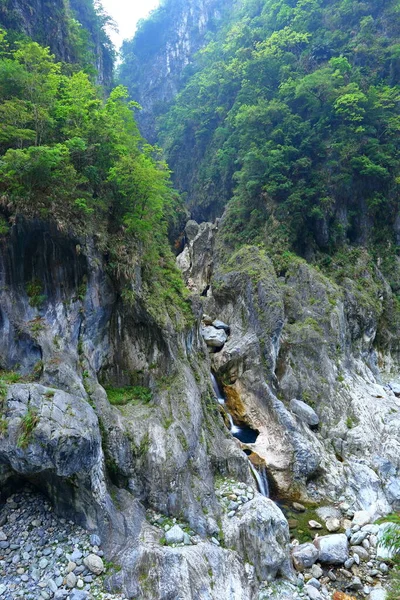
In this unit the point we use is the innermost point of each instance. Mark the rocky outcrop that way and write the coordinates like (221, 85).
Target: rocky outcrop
(154, 62)
(196, 260)
(64, 329)
(301, 367)
(51, 24)
(260, 533)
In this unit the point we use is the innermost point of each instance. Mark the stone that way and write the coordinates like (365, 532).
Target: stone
(71, 566)
(346, 524)
(377, 594)
(260, 532)
(332, 524)
(355, 584)
(349, 563)
(298, 507)
(79, 595)
(76, 555)
(316, 571)
(43, 562)
(304, 412)
(361, 552)
(313, 581)
(357, 538)
(95, 540)
(312, 592)
(304, 556)
(3, 589)
(221, 325)
(333, 549)
(175, 535)
(361, 518)
(94, 563)
(371, 528)
(3, 536)
(314, 524)
(71, 580)
(53, 587)
(214, 338)
(342, 596)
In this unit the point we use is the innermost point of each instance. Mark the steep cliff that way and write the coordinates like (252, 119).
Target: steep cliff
(160, 417)
(104, 462)
(291, 125)
(156, 59)
(303, 346)
(74, 31)
(106, 401)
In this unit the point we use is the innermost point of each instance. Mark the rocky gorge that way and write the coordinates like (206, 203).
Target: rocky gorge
(196, 409)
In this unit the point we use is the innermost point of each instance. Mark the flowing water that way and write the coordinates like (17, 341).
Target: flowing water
(261, 479)
(246, 435)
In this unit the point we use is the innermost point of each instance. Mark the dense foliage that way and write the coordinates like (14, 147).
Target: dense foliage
(292, 115)
(75, 31)
(68, 155)
(391, 541)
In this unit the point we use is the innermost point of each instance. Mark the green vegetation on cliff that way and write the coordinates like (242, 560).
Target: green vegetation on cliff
(74, 30)
(69, 156)
(292, 116)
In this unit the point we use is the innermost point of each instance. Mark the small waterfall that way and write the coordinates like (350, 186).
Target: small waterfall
(233, 428)
(216, 389)
(247, 437)
(261, 479)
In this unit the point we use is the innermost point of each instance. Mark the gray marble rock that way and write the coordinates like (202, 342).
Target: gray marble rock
(333, 549)
(304, 412)
(175, 535)
(304, 556)
(214, 338)
(261, 531)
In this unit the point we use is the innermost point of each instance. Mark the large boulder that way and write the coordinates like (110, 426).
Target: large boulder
(214, 338)
(333, 549)
(260, 532)
(175, 535)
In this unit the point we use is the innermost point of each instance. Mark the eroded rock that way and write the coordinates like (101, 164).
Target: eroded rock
(333, 549)
(214, 338)
(261, 532)
(304, 556)
(304, 412)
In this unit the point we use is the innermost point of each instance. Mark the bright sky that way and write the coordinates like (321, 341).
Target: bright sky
(126, 13)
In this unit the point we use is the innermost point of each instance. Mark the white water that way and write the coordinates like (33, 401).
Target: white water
(216, 389)
(233, 428)
(261, 478)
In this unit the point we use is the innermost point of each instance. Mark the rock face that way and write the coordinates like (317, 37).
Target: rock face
(99, 463)
(302, 353)
(196, 261)
(155, 60)
(49, 24)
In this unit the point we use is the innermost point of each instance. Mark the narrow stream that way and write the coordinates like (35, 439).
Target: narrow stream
(247, 436)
